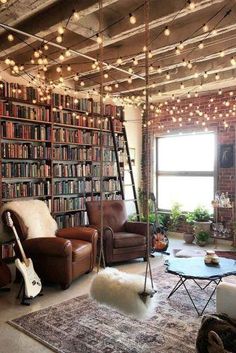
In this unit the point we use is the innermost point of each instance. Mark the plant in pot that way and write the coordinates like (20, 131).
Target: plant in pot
(200, 218)
(202, 238)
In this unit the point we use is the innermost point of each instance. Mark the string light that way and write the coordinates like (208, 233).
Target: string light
(150, 54)
(45, 47)
(222, 53)
(191, 5)
(82, 83)
(76, 15)
(189, 65)
(99, 39)
(159, 70)
(119, 61)
(60, 30)
(135, 61)
(205, 28)
(130, 80)
(167, 31)
(167, 76)
(201, 45)
(177, 51)
(132, 19)
(68, 68)
(217, 76)
(61, 57)
(181, 45)
(144, 48)
(10, 37)
(59, 39)
(182, 85)
(205, 75)
(106, 75)
(67, 53)
(233, 61)
(36, 54)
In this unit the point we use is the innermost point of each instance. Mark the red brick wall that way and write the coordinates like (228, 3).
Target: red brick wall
(208, 112)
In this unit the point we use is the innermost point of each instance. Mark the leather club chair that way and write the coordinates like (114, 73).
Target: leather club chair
(58, 259)
(123, 240)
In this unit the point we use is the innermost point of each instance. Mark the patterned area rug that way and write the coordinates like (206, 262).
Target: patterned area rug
(80, 325)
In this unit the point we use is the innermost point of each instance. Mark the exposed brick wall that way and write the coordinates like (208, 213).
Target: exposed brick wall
(208, 112)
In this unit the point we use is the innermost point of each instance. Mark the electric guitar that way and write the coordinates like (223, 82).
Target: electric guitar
(33, 284)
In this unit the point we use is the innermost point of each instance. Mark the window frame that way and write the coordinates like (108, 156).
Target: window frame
(158, 173)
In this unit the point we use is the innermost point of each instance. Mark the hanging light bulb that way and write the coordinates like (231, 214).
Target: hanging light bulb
(217, 76)
(116, 85)
(45, 47)
(150, 54)
(167, 31)
(191, 5)
(58, 69)
(60, 30)
(99, 39)
(67, 53)
(144, 48)
(10, 37)
(130, 80)
(196, 74)
(189, 65)
(151, 68)
(119, 61)
(40, 61)
(61, 57)
(130, 70)
(181, 45)
(167, 76)
(222, 53)
(76, 77)
(61, 79)
(205, 28)
(45, 68)
(82, 83)
(32, 61)
(159, 70)
(135, 61)
(132, 19)
(59, 39)
(177, 51)
(76, 15)
(36, 54)
(68, 68)
(189, 95)
(233, 61)
(182, 85)
(205, 75)
(201, 45)
(106, 75)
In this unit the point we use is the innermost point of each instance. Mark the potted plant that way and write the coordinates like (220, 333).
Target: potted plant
(202, 238)
(200, 218)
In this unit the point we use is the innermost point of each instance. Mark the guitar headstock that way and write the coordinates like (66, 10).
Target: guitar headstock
(9, 220)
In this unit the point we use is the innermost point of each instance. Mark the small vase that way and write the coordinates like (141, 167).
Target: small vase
(188, 238)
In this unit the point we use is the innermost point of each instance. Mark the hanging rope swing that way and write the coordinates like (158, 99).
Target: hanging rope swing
(129, 293)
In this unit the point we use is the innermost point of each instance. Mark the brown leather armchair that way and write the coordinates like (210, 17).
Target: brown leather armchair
(58, 259)
(123, 240)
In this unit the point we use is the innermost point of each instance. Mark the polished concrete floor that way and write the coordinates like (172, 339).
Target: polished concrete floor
(12, 340)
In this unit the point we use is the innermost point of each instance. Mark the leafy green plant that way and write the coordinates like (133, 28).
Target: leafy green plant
(176, 215)
(202, 237)
(200, 214)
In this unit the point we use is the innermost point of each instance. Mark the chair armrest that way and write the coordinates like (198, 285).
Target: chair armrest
(225, 299)
(80, 233)
(47, 246)
(138, 228)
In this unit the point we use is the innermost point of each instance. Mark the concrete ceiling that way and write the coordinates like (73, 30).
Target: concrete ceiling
(122, 39)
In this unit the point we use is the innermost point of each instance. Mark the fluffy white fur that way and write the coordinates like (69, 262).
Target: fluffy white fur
(121, 291)
(36, 217)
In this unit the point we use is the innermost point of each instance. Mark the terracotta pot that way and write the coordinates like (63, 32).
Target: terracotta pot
(202, 226)
(188, 238)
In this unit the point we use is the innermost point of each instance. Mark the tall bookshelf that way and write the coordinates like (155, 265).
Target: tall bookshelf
(50, 151)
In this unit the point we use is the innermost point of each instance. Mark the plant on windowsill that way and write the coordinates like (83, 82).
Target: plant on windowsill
(202, 238)
(176, 216)
(200, 218)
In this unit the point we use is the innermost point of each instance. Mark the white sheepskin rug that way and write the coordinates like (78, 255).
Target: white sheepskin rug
(36, 217)
(121, 290)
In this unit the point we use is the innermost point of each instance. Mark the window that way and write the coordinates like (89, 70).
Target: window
(185, 171)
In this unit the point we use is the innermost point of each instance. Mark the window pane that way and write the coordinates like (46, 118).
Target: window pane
(186, 153)
(190, 192)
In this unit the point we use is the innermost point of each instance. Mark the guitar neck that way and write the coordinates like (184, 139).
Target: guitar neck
(20, 246)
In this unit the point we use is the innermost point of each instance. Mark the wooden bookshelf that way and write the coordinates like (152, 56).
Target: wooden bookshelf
(52, 160)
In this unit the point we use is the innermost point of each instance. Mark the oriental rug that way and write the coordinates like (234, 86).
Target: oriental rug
(81, 325)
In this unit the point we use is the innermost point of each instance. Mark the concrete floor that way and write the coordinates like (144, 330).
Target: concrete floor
(12, 340)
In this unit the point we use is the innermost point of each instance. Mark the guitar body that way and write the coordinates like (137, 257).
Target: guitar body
(33, 284)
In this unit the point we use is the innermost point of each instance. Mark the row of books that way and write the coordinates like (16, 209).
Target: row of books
(106, 139)
(61, 204)
(77, 119)
(72, 153)
(25, 150)
(108, 155)
(10, 109)
(25, 131)
(108, 170)
(108, 185)
(66, 101)
(17, 91)
(72, 187)
(71, 220)
(25, 189)
(72, 136)
(24, 169)
(7, 251)
(71, 170)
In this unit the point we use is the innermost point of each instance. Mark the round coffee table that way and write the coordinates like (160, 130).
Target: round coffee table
(195, 269)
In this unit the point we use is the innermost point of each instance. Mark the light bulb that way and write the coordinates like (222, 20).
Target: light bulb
(32, 61)
(106, 75)
(205, 28)
(196, 74)
(132, 19)
(201, 45)
(182, 85)
(144, 48)
(191, 5)
(68, 68)
(99, 39)
(167, 31)
(217, 76)
(36, 54)
(58, 69)
(76, 15)
(151, 68)
(59, 39)
(130, 70)
(67, 53)
(205, 75)
(82, 83)
(76, 77)
(61, 79)
(61, 57)
(159, 70)
(10, 37)
(150, 54)
(181, 45)
(167, 76)
(189, 65)
(45, 47)
(129, 80)
(60, 30)
(232, 61)
(119, 61)
(94, 66)
(177, 51)
(135, 61)
(40, 61)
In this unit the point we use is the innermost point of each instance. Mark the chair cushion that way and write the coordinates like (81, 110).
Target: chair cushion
(125, 240)
(80, 249)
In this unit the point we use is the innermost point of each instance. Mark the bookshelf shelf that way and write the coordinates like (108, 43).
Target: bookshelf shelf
(4, 117)
(23, 139)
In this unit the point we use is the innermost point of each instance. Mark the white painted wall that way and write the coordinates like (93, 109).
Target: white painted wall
(134, 135)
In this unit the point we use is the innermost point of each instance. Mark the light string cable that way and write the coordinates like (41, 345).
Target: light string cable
(101, 258)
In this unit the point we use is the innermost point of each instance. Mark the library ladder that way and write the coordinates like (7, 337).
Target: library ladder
(127, 187)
